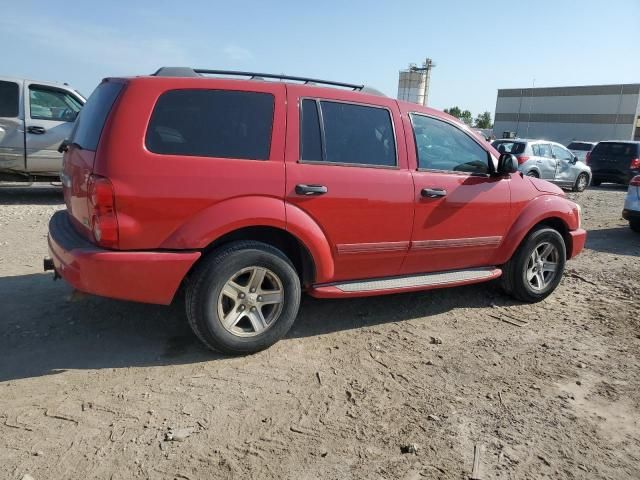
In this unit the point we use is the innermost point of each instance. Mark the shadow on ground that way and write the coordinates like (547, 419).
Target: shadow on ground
(42, 332)
(616, 240)
(37, 194)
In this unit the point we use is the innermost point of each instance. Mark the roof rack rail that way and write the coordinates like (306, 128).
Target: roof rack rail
(194, 72)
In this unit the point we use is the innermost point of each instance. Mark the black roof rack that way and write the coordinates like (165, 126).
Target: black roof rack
(194, 72)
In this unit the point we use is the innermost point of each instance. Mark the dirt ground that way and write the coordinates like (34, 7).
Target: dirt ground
(91, 387)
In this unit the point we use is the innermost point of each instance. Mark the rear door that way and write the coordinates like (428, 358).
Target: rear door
(11, 127)
(545, 161)
(461, 212)
(347, 171)
(49, 116)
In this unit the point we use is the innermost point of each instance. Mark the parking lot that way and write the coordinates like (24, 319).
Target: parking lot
(97, 388)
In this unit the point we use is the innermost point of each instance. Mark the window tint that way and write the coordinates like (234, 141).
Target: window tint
(357, 134)
(442, 146)
(585, 147)
(88, 127)
(9, 93)
(310, 138)
(212, 123)
(561, 153)
(52, 104)
(614, 149)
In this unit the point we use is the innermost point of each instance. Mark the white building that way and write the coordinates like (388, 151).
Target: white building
(563, 114)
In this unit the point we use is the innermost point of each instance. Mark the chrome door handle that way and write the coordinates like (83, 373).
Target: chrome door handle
(433, 192)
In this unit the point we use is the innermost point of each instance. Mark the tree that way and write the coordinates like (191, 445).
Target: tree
(453, 111)
(483, 120)
(466, 117)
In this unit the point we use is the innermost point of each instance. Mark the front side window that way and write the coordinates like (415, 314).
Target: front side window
(9, 94)
(212, 123)
(52, 104)
(348, 134)
(561, 154)
(442, 146)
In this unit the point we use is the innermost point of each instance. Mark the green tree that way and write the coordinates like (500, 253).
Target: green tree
(466, 117)
(483, 120)
(453, 111)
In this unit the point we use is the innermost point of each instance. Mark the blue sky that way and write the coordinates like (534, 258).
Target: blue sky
(478, 46)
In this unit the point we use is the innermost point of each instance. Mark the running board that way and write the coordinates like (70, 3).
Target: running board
(423, 281)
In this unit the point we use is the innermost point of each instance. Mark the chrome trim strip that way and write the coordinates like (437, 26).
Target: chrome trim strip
(351, 248)
(456, 243)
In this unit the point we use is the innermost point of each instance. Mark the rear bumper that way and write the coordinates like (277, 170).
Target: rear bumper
(149, 276)
(631, 214)
(578, 239)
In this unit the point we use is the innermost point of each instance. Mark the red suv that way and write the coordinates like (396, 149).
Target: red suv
(247, 192)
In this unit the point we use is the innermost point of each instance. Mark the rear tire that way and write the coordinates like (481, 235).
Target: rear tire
(243, 298)
(634, 225)
(533, 173)
(581, 183)
(528, 275)
(595, 182)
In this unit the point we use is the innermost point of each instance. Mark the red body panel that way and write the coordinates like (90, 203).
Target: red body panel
(371, 223)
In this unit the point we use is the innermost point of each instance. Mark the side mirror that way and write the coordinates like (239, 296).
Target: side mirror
(507, 164)
(575, 159)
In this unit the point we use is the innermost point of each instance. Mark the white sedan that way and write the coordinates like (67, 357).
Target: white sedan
(631, 210)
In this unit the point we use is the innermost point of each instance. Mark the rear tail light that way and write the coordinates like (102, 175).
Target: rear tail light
(587, 158)
(635, 163)
(102, 211)
(522, 159)
(635, 181)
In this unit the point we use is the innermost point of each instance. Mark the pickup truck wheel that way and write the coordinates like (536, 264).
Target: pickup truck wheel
(536, 268)
(581, 183)
(243, 298)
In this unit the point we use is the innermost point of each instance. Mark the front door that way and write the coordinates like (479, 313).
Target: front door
(461, 212)
(346, 171)
(49, 116)
(566, 170)
(11, 128)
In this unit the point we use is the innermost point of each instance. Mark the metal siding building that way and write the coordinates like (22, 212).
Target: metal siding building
(563, 114)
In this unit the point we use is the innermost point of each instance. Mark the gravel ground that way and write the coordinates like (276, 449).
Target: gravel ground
(97, 388)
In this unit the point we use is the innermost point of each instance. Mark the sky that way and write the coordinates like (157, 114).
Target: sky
(478, 46)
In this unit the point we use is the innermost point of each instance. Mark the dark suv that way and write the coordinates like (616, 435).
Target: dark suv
(615, 162)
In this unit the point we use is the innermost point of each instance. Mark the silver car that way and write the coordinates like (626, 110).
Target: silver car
(547, 160)
(35, 117)
(580, 149)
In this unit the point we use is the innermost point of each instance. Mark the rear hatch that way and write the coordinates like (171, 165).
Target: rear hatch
(613, 157)
(79, 159)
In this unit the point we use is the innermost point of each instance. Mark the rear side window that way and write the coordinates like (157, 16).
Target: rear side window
(616, 149)
(346, 133)
(212, 123)
(9, 93)
(511, 147)
(584, 147)
(88, 128)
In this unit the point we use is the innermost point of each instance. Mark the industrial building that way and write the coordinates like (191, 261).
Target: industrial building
(563, 114)
(413, 83)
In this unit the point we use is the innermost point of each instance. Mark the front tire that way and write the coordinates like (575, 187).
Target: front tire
(536, 268)
(634, 225)
(596, 183)
(243, 298)
(581, 183)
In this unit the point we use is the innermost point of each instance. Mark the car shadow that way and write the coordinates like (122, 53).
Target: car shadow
(36, 194)
(45, 330)
(616, 240)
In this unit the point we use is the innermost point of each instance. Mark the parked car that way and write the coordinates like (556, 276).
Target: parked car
(581, 149)
(615, 162)
(631, 210)
(35, 117)
(547, 160)
(247, 192)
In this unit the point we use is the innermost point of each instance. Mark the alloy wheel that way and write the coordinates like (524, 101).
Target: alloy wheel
(542, 266)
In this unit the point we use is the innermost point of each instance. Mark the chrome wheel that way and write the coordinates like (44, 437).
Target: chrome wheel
(542, 266)
(250, 301)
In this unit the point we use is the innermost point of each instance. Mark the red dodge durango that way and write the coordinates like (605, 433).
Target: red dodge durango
(246, 189)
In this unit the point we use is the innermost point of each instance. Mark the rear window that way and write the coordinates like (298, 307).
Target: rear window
(585, 147)
(212, 123)
(9, 99)
(511, 147)
(614, 149)
(88, 128)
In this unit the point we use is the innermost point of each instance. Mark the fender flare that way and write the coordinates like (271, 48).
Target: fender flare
(544, 207)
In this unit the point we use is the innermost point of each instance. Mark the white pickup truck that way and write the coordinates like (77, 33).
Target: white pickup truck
(35, 117)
